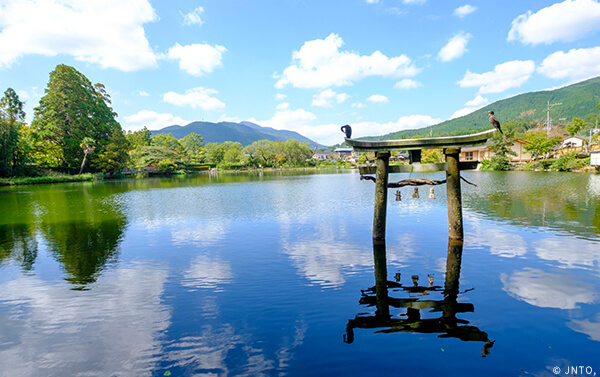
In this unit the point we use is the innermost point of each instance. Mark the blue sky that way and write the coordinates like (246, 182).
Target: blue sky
(303, 65)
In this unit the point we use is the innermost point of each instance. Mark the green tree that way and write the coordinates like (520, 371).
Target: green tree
(233, 155)
(296, 153)
(72, 109)
(501, 148)
(168, 141)
(167, 167)
(575, 126)
(261, 152)
(88, 145)
(215, 152)
(151, 155)
(12, 107)
(193, 145)
(540, 144)
(139, 139)
(115, 154)
(12, 118)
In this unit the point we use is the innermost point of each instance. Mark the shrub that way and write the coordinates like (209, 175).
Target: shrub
(567, 162)
(166, 167)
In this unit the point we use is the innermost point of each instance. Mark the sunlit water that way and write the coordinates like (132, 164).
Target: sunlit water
(271, 275)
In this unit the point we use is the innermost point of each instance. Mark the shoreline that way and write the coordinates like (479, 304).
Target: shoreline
(89, 177)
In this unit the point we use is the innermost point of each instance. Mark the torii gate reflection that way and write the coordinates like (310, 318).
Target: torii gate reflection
(448, 326)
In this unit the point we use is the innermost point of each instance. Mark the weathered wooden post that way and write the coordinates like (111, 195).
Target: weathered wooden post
(381, 288)
(381, 190)
(453, 263)
(455, 220)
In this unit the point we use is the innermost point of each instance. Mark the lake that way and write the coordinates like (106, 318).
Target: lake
(275, 274)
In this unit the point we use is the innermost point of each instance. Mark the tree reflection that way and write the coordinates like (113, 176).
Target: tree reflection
(18, 243)
(569, 202)
(447, 326)
(83, 230)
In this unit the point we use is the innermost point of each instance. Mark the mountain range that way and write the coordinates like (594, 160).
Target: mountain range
(576, 100)
(244, 132)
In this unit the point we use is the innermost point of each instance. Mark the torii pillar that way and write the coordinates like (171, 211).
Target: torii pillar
(381, 191)
(453, 194)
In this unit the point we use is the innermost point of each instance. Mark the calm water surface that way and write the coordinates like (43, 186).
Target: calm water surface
(276, 275)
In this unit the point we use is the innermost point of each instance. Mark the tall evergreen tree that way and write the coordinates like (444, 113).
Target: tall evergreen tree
(71, 110)
(12, 117)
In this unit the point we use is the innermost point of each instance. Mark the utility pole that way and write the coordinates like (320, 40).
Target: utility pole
(548, 116)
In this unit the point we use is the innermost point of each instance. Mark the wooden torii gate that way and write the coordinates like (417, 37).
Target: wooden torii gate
(451, 146)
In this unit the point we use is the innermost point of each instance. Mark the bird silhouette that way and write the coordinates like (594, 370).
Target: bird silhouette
(347, 130)
(494, 121)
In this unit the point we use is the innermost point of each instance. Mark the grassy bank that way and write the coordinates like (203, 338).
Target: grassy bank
(58, 178)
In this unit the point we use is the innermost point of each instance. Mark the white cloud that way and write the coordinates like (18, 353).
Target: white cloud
(195, 98)
(378, 98)
(464, 10)
(53, 27)
(304, 123)
(548, 290)
(407, 84)
(320, 64)
(125, 305)
(455, 48)
(283, 106)
(577, 64)
(23, 95)
(326, 98)
(358, 105)
(193, 18)
(144, 93)
(232, 119)
(280, 96)
(207, 272)
(472, 105)
(197, 59)
(566, 22)
(151, 120)
(477, 102)
(585, 326)
(504, 76)
(414, 1)
(372, 1)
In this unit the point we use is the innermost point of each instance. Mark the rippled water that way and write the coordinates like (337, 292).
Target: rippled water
(274, 275)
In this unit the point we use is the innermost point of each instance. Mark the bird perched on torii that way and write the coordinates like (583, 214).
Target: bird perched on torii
(347, 130)
(494, 121)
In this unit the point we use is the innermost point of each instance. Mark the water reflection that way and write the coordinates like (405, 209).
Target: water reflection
(418, 298)
(207, 272)
(569, 202)
(47, 329)
(18, 243)
(83, 238)
(548, 290)
(82, 226)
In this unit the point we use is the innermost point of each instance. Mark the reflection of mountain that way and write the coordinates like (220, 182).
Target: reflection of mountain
(562, 201)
